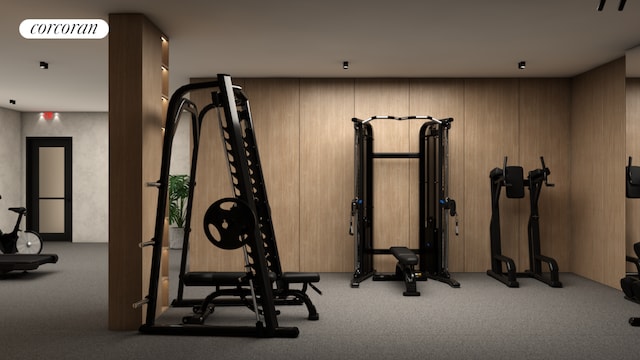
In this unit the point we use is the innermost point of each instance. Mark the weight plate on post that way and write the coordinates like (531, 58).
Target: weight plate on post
(229, 223)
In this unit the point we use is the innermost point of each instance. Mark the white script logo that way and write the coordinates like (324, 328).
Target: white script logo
(64, 28)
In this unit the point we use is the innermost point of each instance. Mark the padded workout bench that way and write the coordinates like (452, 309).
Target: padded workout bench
(405, 270)
(407, 259)
(237, 286)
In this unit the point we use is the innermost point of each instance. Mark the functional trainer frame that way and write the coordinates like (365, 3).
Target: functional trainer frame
(512, 178)
(434, 205)
(263, 265)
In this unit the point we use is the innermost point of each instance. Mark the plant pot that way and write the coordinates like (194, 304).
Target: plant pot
(176, 237)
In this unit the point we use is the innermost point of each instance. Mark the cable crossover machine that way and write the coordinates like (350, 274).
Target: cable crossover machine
(430, 259)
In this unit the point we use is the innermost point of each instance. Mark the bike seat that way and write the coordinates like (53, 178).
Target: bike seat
(19, 210)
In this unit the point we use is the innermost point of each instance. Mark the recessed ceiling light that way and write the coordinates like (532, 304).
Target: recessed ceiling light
(621, 6)
(522, 65)
(12, 102)
(345, 65)
(44, 65)
(601, 5)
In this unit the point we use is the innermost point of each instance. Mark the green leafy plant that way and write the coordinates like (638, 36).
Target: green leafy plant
(178, 195)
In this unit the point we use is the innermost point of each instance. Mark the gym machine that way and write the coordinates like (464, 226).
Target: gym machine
(630, 284)
(241, 221)
(20, 250)
(431, 256)
(512, 178)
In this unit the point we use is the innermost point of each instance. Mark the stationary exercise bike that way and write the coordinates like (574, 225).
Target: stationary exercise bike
(18, 241)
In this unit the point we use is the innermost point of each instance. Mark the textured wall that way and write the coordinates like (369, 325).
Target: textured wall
(11, 164)
(90, 142)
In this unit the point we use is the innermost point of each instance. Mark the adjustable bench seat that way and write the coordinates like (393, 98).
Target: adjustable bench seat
(407, 259)
(300, 277)
(205, 278)
(283, 294)
(404, 255)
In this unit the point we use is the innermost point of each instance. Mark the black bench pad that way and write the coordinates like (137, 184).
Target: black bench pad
(205, 278)
(300, 277)
(404, 255)
(230, 278)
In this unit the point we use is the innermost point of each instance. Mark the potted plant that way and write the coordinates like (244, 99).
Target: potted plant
(178, 195)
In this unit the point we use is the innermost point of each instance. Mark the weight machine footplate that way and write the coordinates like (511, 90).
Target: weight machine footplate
(445, 279)
(257, 331)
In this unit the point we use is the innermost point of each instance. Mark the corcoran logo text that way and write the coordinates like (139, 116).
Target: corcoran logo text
(64, 29)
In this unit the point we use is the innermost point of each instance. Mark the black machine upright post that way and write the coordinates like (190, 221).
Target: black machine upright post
(435, 202)
(536, 179)
(362, 204)
(509, 276)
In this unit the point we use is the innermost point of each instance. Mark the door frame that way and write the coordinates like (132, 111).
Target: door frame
(33, 144)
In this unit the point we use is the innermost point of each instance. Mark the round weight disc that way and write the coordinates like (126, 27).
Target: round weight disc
(229, 223)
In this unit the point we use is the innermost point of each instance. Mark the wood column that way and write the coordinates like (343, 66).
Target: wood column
(135, 147)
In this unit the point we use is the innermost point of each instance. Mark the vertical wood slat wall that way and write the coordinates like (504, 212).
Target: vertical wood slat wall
(304, 126)
(135, 146)
(597, 172)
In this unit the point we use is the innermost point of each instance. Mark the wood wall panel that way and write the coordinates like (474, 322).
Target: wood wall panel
(275, 107)
(633, 150)
(308, 120)
(390, 176)
(440, 99)
(613, 159)
(491, 133)
(326, 174)
(584, 175)
(135, 138)
(545, 120)
(597, 159)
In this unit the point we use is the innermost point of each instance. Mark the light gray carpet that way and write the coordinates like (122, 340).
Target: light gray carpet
(60, 312)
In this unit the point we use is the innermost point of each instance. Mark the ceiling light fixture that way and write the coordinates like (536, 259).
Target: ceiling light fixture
(44, 65)
(12, 102)
(601, 5)
(345, 65)
(621, 6)
(522, 65)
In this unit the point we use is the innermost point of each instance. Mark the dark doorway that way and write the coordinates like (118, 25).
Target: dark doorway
(48, 187)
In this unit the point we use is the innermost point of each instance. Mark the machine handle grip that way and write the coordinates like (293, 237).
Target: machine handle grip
(546, 173)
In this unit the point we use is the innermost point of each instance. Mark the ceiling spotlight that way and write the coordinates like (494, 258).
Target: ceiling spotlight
(44, 65)
(522, 65)
(601, 5)
(12, 102)
(621, 6)
(345, 65)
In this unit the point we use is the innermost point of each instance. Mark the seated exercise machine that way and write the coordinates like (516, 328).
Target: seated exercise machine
(430, 259)
(229, 223)
(630, 284)
(512, 178)
(21, 249)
